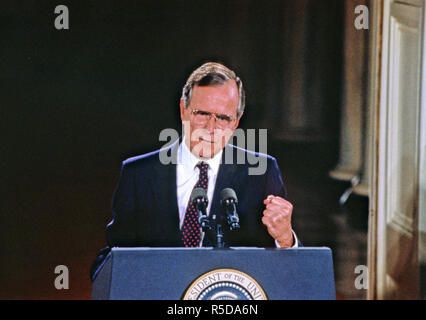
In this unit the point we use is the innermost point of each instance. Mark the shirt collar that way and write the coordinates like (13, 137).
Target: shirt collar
(188, 161)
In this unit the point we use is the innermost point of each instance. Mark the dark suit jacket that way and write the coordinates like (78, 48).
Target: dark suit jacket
(145, 209)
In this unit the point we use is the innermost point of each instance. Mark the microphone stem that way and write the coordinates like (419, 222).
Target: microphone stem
(219, 236)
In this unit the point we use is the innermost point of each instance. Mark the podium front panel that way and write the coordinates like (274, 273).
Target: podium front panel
(169, 273)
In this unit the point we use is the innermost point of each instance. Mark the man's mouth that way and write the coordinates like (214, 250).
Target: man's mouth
(205, 140)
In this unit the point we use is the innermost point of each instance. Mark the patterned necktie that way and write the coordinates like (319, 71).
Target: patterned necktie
(191, 233)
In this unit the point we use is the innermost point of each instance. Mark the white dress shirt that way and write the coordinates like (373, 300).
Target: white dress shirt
(187, 175)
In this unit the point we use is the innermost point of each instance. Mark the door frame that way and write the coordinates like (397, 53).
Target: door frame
(376, 258)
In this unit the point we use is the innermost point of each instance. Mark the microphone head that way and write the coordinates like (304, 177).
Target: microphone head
(228, 193)
(198, 193)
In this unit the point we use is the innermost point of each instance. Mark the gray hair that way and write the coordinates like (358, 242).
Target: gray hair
(210, 74)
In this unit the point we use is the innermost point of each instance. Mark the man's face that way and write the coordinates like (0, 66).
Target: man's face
(206, 134)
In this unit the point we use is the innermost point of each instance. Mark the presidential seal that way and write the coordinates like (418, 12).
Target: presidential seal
(225, 284)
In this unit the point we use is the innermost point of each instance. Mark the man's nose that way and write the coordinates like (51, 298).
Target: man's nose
(211, 124)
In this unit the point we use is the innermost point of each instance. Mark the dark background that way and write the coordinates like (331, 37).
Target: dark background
(77, 102)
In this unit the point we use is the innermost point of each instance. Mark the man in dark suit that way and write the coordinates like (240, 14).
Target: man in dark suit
(151, 206)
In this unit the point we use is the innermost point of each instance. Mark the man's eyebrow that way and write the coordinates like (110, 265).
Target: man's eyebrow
(218, 114)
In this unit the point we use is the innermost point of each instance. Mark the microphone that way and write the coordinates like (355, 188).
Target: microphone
(228, 200)
(200, 201)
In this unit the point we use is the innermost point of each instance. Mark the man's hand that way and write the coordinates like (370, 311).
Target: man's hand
(277, 218)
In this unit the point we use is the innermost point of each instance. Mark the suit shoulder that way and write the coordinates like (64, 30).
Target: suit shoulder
(153, 158)
(250, 153)
(147, 159)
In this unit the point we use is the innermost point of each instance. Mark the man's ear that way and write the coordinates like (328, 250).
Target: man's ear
(237, 122)
(182, 109)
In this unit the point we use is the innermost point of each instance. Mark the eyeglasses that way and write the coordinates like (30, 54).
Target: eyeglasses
(202, 117)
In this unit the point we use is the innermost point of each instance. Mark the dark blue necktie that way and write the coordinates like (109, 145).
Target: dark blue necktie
(191, 229)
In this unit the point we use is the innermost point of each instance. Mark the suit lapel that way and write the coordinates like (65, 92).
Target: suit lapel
(225, 178)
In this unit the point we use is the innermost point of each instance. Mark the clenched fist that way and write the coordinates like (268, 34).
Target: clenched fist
(277, 218)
